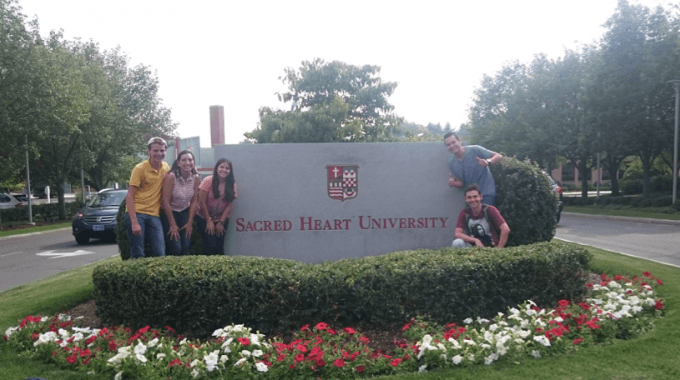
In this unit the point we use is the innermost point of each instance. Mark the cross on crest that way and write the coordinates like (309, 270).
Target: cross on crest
(342, 181)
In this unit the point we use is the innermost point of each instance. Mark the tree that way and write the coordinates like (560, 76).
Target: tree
(23, 94)
(331, 102)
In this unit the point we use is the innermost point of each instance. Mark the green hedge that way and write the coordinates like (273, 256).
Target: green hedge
(198, 294)
(526, 201)
(41, 212)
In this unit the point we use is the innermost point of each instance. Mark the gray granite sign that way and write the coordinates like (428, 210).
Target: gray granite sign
(315, 202)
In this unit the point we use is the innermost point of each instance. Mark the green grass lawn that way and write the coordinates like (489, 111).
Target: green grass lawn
(652, 356)
(29, 230)
(625, 212)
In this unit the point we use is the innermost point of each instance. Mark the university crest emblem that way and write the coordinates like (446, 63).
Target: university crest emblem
(343, 182)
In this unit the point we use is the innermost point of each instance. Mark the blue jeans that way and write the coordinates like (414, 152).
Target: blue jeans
(212, 244)
(183, 245)
(152, 231)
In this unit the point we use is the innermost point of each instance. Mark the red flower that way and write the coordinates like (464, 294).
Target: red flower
(647, 274)
(350, 331)
(577, 341)
(299, 357)
(320, 362)
(90, 339)
(72, 359)
(244, 341)
(301, 348)
(406, 326)
(169, 329)
(143, 329)
(659, 305)
(305, 327)
(360, 368)
(659, 282)
(112, 345)
(592, 325)
(331, 331)
(321, 326)
(175, 362)
(395, 362)
(280, 357)
(339, 363)
(563, 303)
(364, 340)
(35, 336)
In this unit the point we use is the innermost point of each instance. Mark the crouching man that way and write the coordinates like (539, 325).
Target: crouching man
(480, 225)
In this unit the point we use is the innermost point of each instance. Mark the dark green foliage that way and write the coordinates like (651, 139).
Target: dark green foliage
(526, 201)
(41, 212)
(124, 242)
(657, 201)
(198, 294)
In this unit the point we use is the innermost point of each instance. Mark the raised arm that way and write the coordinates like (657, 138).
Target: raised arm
(168, 186)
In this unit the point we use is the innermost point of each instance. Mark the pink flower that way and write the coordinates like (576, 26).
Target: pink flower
(577, 341)
(361, 368)
(395, 362)
(339, 363)
(321, 326)
(244, 341)
(563, 303)
(299, 357)
(350, 330)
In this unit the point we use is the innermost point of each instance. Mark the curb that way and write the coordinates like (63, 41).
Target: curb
(625, 218)
(35, 233)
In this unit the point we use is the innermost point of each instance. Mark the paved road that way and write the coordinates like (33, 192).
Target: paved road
(658, 242)
(29, 258)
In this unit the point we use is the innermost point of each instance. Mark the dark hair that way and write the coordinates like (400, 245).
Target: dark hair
(229, 187)
(176, 170)
(449, 134)
(473, 187)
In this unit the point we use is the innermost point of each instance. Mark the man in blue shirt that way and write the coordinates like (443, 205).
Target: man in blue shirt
(470, 164)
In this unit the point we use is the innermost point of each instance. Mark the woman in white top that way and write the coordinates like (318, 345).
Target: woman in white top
(180, 197)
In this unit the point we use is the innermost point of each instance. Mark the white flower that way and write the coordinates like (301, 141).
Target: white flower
(482, 320)
(514, 311)
(254, 339)
(211, 361)
(224, 358)
(493, 327)
(261, 367)
(542, 340)
(218, 332)
(64, 334)
(183, 342)
(423, 368)
(536, 354)
(245, 353)
(427, 339)
(471, 357)
(119, 376)
(454, 343)
(257, 353)
(160, 356)
(47, 337)
(140, 348)
(193, 363)
(457, 359)
(10, 330)
(141, 358)
(488, 360)
(237, 328)
(153, 342)
(469, 342)
(239, 362)
(467, 321)
(195, 373)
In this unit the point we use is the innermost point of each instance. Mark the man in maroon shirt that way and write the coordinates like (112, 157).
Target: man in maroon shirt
(480, 225)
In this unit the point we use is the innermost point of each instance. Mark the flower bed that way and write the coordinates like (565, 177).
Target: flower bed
(616, 308)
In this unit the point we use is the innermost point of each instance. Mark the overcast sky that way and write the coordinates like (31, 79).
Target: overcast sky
(231, 53)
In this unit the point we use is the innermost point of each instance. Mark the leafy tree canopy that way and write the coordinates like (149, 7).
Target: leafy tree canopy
(331, 102)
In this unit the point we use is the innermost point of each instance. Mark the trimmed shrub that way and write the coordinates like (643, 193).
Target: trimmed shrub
(198, 294)
(526, 201)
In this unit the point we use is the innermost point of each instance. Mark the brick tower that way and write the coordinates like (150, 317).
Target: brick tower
(216, 125)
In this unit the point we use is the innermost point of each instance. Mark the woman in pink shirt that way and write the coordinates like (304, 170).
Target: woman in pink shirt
(215, 196)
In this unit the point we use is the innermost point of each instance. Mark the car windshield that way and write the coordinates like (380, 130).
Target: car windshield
(21, 198)
(108, 199)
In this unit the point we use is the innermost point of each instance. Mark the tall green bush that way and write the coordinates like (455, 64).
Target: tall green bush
(526, 201)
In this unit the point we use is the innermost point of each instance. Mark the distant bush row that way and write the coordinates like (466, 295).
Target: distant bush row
(197, 294)
(41, 212)
(659, 201)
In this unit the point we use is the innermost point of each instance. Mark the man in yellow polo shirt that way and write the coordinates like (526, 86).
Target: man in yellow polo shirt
(144, 201)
